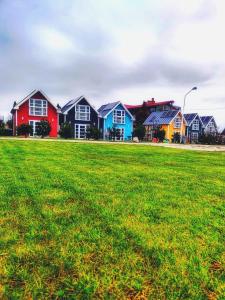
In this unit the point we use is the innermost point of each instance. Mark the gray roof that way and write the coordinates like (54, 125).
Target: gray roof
(106, 108)
(190, 117)
(160, 117)
(206, 119)
(69, 104)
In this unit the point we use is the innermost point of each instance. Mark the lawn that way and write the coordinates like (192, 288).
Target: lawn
(101, 221)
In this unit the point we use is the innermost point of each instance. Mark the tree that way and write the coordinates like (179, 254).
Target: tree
(66, 131)
(92, 133)
(43, 128)
(24, 129)
(139, 132)
(159, 133)
(141, 115)
(114, 133)
(176, 137)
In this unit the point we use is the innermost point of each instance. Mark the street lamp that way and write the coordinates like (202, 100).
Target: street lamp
(182, 118)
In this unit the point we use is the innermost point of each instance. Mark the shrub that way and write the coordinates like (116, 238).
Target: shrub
(159, 134)
(139, 132)
(114, 133)
(66, 131)
(24, 129)
(92, 133)
(176, 137)
(43, 128)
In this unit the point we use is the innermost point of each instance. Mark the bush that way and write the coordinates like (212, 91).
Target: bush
(159, 134)
(43, 128)
(92, 133)
(211, 139)
(176, 138)
(6, 132)
(66, 131)
(24, 129)
(113, 133)
(139, 132)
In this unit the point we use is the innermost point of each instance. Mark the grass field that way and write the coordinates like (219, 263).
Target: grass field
(91, 221)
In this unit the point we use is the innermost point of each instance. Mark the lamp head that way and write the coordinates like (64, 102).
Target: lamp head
(194, 88)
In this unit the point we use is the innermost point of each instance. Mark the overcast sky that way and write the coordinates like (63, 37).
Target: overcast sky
(108, 50)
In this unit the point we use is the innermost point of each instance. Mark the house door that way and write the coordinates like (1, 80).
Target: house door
(80, 130)
(120, 137)
(34, 125)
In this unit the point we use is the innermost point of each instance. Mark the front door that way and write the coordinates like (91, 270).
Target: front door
(34, 125)
(120, 136)
(80, 131)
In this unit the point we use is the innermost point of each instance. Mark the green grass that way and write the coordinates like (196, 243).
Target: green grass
(94, 221)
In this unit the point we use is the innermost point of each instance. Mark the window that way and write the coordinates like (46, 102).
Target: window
(194, 137)
(82, 112)
(195, 125)
(211, 127)
(119, 116)
(177, 122)
(38, 107)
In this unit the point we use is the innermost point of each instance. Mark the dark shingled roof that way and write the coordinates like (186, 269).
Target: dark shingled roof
(189, 118)
(106, 108)
(160, 117)
(69, 104)
(206, 119)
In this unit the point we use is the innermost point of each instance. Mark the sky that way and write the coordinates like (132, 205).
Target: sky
(109, 50)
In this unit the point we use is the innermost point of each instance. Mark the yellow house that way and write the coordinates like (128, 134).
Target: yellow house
(170, 121)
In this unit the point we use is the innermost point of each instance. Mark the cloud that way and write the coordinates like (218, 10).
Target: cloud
(106, 49)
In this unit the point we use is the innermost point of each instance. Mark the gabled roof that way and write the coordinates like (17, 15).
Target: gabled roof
(189, 118)
(150, 103)
(19, 103)
(106, 109)
(72, 103)
(161, 117)
(206, 120)
(223, 132)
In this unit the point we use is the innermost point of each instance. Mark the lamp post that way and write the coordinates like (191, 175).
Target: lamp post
(182, 118)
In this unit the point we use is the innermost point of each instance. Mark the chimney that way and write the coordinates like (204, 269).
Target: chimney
(151, 101)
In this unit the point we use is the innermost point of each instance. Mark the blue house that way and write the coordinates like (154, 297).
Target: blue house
(194, 127)
(116, 116)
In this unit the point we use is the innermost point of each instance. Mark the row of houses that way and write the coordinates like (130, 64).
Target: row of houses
(81, 114)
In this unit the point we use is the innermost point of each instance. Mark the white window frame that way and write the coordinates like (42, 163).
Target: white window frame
(34, 126)
(43, 107)
(194, 136)
(77, 136)
(119, 116)
(177, 122)
(195, 124)
(122, 134)
(211, 127)
(86, 114)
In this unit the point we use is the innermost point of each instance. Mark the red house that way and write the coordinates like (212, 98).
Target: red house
(34, 108)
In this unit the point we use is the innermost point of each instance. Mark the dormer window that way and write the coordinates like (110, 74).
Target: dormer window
(38, 107)
(177, 122)
(119, 116)
(195, 125)
(82, 112)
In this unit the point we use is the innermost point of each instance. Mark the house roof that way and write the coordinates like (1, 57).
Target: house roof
(19, 103)
(206, 120)
(72, 103)
(106, 109)
(150, 103)
(161, 117)
(223, 132)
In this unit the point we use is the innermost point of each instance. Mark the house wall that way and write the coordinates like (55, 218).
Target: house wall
(70, 117)
(128, 126)
(24, 117)
(190, 130)
(213, 130)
